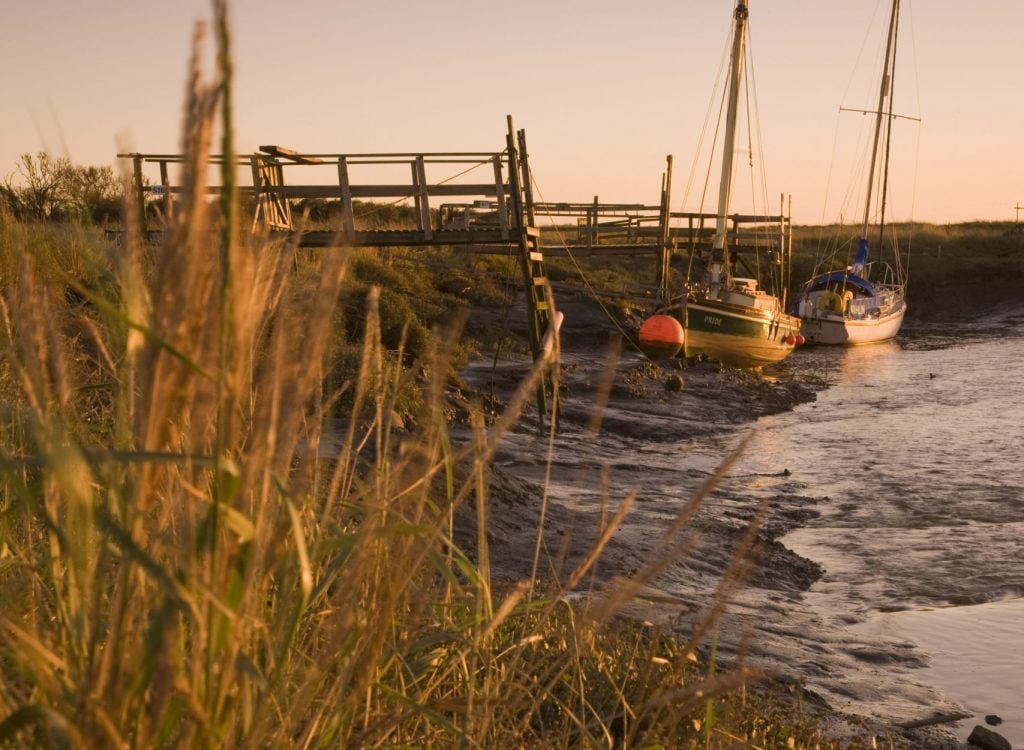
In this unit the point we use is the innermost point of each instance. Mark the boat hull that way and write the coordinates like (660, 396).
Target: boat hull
(840, 330)
(737, 335)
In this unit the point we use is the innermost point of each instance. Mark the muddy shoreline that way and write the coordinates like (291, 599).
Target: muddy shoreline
(663, 440)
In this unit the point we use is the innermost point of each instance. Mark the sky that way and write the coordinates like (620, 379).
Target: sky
(604, 90)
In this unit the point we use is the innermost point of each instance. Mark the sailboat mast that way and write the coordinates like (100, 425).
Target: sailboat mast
(884, 91)
(719, 252)
(888, 136)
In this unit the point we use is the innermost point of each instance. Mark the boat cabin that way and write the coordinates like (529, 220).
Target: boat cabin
(745, 292)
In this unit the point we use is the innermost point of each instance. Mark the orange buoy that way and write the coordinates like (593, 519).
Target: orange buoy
(661, 336)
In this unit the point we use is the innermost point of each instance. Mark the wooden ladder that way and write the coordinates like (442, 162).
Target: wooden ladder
(539, 300)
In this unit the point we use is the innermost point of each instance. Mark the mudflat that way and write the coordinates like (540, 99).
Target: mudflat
(662, 432)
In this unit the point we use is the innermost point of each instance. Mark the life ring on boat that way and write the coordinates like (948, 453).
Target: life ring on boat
(831, 302)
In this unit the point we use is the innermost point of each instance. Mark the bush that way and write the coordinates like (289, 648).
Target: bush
(48, 188)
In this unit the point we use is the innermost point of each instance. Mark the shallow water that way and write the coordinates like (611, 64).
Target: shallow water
(975, 656)
(905, 480)
(917, 450)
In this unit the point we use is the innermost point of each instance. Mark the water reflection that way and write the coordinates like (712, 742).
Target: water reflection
(847, 365)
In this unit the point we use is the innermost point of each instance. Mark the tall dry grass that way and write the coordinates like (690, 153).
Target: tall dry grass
(191, 555)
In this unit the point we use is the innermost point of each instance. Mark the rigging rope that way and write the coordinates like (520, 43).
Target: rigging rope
(704, 129)
(750, 83)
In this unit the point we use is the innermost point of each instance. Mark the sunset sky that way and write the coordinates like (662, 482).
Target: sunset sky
(604, 89)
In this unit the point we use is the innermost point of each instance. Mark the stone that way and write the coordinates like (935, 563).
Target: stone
(674, 383)
(992, 720)
(986, 739)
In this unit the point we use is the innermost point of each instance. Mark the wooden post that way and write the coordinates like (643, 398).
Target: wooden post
(347, 221)
(499, 196)
(665, 218)
(789, 240)
(168, 198)
(419, 172)
(140, 193)
(257, 193)
(524, 165)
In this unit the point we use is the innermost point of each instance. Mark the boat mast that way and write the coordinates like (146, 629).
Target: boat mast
(719, 252)
(884, 91)
(888, 132)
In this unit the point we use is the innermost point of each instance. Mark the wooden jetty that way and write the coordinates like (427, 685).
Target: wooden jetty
(484, 204)
(508, 194)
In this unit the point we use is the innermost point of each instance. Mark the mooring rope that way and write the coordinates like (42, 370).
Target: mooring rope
(579, 269)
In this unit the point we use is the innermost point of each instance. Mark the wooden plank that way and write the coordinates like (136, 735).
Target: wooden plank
(432, 157)
(405, 238)
(603, 209)
(295, 192)
(384, 191)
(755, 219)
(287, 153)
(597, 251)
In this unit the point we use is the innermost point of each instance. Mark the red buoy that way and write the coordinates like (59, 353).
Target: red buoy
(791, 340)
(800, 340)
(661, 336)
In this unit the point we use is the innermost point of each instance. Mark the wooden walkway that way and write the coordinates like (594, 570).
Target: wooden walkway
(474, 201)
(479, 202)
(505, 189)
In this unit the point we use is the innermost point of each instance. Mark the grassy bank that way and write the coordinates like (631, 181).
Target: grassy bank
(213, 538)
(955, 270)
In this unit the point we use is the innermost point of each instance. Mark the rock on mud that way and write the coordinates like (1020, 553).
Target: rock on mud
(987, 739)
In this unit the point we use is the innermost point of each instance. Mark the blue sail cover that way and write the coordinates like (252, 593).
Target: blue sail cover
(861, 258)
(839, 279)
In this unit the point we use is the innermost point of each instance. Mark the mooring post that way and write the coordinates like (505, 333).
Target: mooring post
(665, 219)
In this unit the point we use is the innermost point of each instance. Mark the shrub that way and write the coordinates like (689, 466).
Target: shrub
(52, 188)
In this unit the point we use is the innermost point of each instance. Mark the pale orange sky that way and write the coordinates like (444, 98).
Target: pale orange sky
(604, 90)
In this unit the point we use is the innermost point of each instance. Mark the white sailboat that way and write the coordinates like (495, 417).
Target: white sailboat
(727, 318)
(865, 303)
